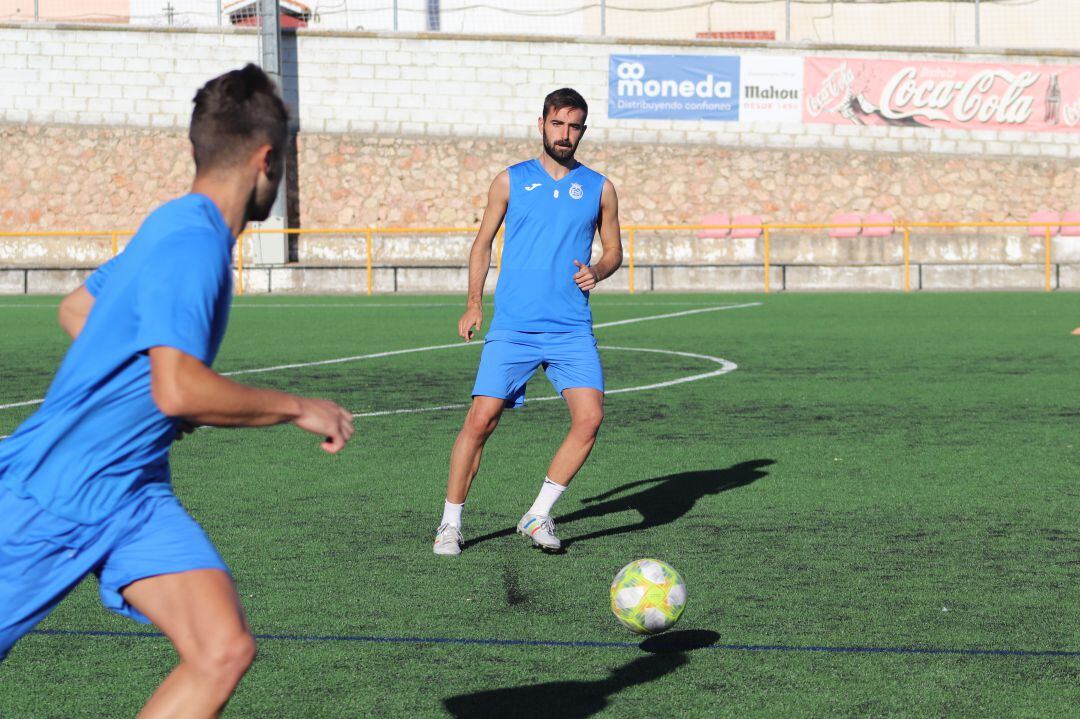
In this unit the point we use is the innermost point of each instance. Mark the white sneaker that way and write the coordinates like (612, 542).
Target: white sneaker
(541, 530)
(448, 540)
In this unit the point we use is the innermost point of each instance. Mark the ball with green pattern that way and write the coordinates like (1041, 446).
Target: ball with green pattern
(648, 596)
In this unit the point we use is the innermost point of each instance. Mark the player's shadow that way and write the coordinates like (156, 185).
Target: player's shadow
(580, 699)
(658, 501)
(662, 500)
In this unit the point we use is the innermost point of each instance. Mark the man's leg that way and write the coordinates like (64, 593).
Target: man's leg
(201, 615)
(508, 361)
(480, 422)
(586, 413)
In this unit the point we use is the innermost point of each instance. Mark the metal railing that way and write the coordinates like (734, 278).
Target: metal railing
(949, 23)
(768, 233)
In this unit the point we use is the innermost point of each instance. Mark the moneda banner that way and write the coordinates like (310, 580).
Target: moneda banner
(674, 87)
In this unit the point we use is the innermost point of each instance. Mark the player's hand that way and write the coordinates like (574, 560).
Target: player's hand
(470, 322)
(184, 428)
(585, 277)
(324, 418)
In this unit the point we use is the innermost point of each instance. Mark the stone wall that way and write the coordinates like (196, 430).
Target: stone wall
(108, 178)
(62, 177)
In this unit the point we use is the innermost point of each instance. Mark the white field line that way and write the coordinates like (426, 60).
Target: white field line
(27, 403)
(354, 358)
(376, 355)
(725, 367)
(684, 313)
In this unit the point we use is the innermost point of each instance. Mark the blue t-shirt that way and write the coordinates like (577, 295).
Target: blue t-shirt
(99, 439)
(549, 224)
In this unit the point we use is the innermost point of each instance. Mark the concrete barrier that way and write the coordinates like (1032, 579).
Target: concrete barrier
(985, 277)
(12, 282)
(1068, 277)
(352, 279)
(1006, 246)
(708, 279)
(41, 281)
(844, 278)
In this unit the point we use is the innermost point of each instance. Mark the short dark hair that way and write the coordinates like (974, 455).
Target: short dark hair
(565, 97)
(234, 114)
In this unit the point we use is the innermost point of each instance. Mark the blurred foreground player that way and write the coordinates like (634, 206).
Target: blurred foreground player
(85, 483)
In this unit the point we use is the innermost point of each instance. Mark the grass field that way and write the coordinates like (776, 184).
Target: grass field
(876, 514)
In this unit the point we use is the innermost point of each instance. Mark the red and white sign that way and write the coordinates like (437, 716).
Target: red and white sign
(960, 95)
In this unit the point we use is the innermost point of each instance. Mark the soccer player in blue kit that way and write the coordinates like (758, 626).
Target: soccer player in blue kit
(85, 483)
(553, 206)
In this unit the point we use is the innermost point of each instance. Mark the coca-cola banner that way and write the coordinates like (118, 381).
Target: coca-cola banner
(960, 95)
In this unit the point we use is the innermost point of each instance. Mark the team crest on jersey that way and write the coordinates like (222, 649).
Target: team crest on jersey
(576, 192)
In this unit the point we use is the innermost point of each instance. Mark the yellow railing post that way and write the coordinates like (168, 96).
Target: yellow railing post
(630, 257)
(240, 264)
(367, 247)
(907, 258)
(765, 228)
(115, 245)
(1048, 244)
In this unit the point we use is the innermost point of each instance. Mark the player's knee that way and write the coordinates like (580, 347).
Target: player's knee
(481, 422)
(240, 652)
(589, 421)
(227, 658)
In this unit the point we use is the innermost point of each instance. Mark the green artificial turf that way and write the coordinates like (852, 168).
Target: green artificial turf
(881, 473)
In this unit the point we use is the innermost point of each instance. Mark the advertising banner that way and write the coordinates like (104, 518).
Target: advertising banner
(674, 87)
(958, 95)
(771, 89)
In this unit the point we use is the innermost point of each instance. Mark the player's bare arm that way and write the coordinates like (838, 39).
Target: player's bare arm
(607, 225)
(480, 255)
(184, 387)
(74, 309)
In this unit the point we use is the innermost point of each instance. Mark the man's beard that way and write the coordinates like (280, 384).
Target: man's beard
(559, 153)
(261, 201)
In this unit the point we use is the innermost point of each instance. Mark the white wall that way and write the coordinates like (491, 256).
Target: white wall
(401, 84)
(1004, 23)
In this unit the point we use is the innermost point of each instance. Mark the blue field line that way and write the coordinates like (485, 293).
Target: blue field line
(590, 645)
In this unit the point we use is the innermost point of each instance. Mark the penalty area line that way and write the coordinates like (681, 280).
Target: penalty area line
(391, 353)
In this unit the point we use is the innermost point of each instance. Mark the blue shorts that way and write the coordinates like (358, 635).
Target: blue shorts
(43, 557)
(510, 358)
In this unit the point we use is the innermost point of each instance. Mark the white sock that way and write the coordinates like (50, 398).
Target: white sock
(451, 514)
(549, 493)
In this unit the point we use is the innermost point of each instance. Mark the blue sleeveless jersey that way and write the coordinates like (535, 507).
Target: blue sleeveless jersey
(549, 224)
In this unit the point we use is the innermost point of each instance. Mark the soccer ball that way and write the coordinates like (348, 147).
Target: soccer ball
(648, 596)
